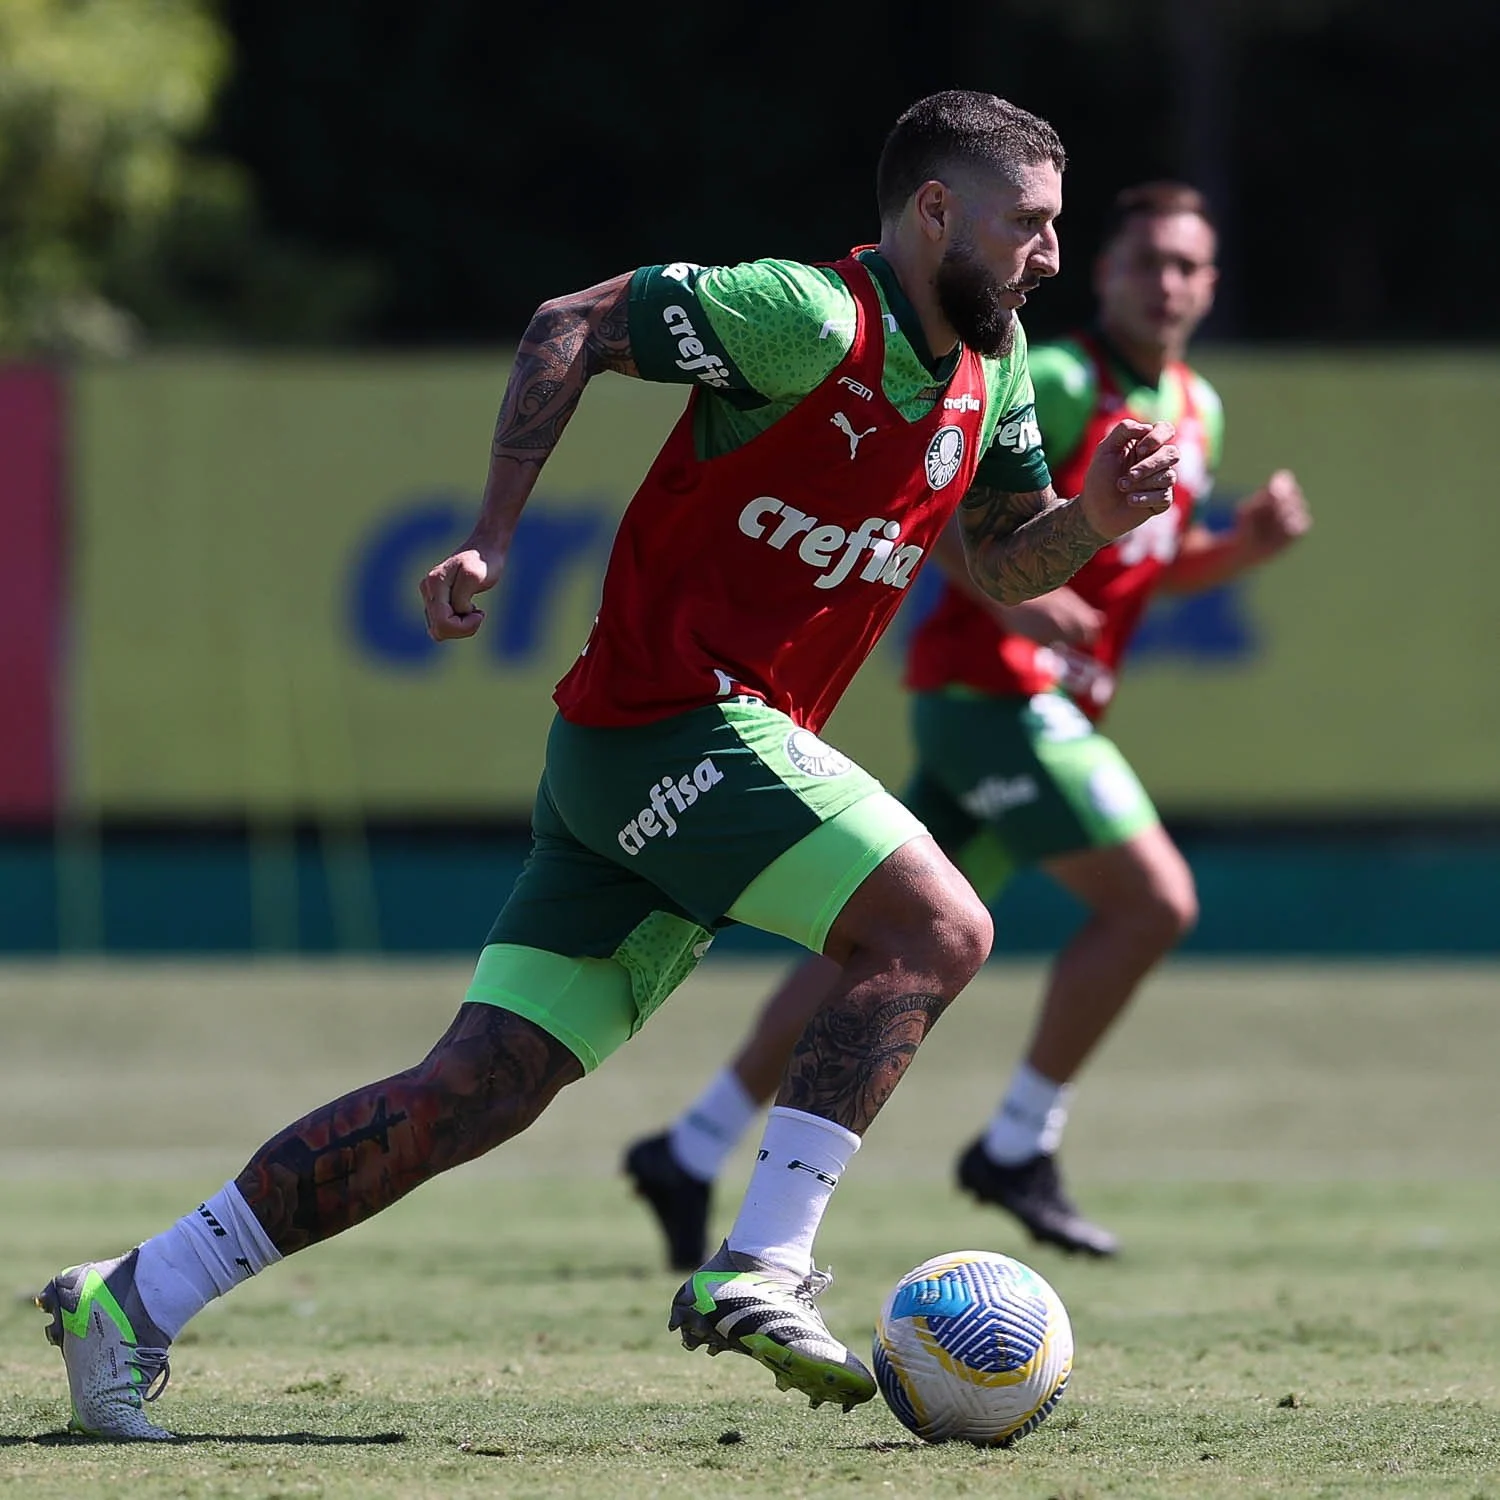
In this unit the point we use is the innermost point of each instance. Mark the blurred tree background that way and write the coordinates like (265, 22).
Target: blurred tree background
(116, 224)
(373, 172)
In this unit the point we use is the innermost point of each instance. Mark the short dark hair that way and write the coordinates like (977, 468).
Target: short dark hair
(1153, 200)
(958, 128)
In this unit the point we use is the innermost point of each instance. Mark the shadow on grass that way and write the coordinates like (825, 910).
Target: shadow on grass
(260, 1439)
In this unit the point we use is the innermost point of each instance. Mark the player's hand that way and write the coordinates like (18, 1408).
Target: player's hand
(1130, 477)
(1271, 519)
(1061, 616)
(448, 592)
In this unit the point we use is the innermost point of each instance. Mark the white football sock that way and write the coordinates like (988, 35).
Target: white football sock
(1030, 1119)
(202, 1256)
(711, 1126)
(801, 1159)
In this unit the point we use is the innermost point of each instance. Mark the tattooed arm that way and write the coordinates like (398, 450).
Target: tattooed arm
(568, 341)
(1022, 545)
(1019, 546)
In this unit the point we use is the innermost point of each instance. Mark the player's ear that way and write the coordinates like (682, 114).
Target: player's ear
(932, 208)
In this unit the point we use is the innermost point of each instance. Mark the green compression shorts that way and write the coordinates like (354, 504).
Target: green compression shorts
(647, 839)
(1005, 782)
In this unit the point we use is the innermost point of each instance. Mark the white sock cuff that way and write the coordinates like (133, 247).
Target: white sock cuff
(228, 1206)
(203, 1255)
(1034, 1091)
(722, 1109)
(728, 1087)
(704, 1134)
(848, 1142)
(801, 1159)
(1030, 1119)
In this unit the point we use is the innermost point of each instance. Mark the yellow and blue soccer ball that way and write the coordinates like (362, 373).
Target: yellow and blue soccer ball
(973, 1346)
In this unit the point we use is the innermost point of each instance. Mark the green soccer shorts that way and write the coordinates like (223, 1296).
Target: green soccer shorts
(1006, 782)
(648, 839)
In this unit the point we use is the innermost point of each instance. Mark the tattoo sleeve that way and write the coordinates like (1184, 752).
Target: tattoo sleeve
(1022, 545)
(850, 1059)
(487, 1079)
(568, 341)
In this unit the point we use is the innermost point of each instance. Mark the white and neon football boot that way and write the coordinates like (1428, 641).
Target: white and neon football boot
(116, 1357)
(744, 1305)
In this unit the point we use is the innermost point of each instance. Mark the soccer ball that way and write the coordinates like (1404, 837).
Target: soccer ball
(973, 1346)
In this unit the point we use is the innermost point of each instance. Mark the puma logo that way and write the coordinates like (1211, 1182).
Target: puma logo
(845, 426)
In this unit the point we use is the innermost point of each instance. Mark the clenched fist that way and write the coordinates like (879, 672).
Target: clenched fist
(1272, 518)
(448, 592)
(1130, 477)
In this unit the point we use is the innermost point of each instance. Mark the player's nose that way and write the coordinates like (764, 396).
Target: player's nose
(1047, 259)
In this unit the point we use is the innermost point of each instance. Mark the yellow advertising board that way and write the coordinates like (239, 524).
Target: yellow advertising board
(1370, 678)
(249, 533)
(1356, 673)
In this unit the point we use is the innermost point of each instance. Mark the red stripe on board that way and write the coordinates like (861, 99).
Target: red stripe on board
(30, 583)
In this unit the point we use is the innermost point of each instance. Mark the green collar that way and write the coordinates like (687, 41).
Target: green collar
(906, 316)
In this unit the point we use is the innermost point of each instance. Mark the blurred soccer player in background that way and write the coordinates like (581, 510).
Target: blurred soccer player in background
(1011, 768)
(839, 416)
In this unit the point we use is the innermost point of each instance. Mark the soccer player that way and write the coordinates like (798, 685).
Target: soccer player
(839, 415)
(1011, 769)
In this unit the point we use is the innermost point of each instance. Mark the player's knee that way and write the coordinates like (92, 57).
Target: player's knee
(457, 1090)
(966, 932)
(917, 916)
(1169, 910)
(492, 1076)
(948, 936)
(1185, 909)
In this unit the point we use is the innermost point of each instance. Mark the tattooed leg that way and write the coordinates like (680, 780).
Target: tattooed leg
(908, 940)
(489, 1077)
(855, 1051)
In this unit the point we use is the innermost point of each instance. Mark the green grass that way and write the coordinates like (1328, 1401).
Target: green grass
(1299, 1160)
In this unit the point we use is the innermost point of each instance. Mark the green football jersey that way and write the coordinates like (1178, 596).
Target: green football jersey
(760, 335)
(1064, 381)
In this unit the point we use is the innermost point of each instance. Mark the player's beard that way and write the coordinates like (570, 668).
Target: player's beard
(969, 296)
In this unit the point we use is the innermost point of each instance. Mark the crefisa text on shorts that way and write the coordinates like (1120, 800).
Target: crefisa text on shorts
(680, 794)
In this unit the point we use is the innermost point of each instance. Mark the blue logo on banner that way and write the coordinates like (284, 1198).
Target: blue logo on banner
(553, 541)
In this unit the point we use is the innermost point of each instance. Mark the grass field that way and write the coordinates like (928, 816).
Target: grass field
(1301, 1162)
